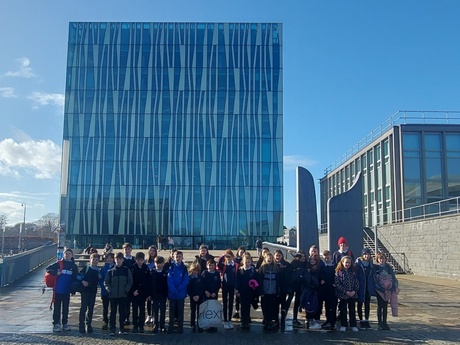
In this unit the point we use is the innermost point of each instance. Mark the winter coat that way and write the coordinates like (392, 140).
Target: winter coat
(66, 278)
(91, 276)
(104, 271)
(141, 281)
(346, 280)
(365, 277)
(177, 281)
(118, 282)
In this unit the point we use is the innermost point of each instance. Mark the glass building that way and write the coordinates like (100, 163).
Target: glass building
(413, 159)
(173, 129)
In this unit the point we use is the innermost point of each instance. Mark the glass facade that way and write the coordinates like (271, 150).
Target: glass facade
(407, 166)
(173, 129)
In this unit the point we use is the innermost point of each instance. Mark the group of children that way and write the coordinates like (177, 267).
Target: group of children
(144, 286)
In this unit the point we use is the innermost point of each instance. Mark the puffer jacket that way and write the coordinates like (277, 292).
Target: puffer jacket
(118, 282)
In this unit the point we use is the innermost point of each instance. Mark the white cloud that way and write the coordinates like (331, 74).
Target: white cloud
(7, 92)
(41, 158)
(291, 162)
(41, 98)
(24, 71)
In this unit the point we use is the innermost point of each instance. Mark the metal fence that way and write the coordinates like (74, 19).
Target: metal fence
(16, 266)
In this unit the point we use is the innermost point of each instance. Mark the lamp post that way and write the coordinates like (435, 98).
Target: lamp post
(23, 226)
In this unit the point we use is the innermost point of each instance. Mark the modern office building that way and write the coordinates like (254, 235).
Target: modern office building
(412, 159)
(173, 129)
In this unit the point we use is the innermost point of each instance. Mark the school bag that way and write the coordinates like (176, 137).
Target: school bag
(310, 300)
(50, 279)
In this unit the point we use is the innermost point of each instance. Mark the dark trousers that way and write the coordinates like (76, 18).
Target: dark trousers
(120, 305)
(105, 309)
(290, 296)
(61, 301)
(138, 303)
(228, 294)
(149, 308)
(367, 307)
(194, 311)
(382, 309)
(343, 305)
(176, 308)
(245, 301)
(159, 310)
(237, 303)
(330, 306)
(88, 299)
(269, 308)
(128, 308)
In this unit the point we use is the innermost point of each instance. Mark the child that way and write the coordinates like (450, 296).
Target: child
(327, 291)
(314, 267)
(298, 267)
(343, 251)
(152, 254)
(346, 287)
(386, 287)
(203, 258)
(238, 259)
(159, 294)
(246, 291)
(195, 291)
(365, 271)
(109, 264)
(65, 277)
(91, 277)
(284, 273)
(228, 270)
(177, 291)
(268, 276)
(139, 292)
(212, 285)
(118, 282)
(128, 262)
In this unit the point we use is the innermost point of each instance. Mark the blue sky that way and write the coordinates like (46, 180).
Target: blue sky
(348, 66)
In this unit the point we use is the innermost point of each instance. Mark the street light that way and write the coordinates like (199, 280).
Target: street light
(23, 225)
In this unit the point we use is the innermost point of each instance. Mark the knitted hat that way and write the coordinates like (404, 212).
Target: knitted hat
(342, 240)
(366, 251)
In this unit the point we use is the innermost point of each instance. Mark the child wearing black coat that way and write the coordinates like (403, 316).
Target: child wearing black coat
(246, 288)
(159, 294)
(195, 291)
(139, 291)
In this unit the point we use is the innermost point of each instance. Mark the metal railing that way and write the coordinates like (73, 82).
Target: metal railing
(16, 266)
(398, 118)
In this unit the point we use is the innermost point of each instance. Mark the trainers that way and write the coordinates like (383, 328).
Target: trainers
(354, 329)
(112, 332)
(66, 328)
(314, 325)
(342, 329)
(386, 327)
(57, 328)
(230, 325)
(105, 326)
(226, 326)
(296, 324)
(236, 315)
(122, 331)
(326, 325)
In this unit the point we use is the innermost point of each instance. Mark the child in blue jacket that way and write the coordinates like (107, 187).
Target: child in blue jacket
(365, 274)
(177, 291)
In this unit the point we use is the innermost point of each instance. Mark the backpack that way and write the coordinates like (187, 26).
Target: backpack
(310, 301)
(50, 279)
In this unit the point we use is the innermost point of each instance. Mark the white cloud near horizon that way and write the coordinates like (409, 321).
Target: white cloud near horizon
(42, 158)
(7, 92)
(292, 162)
(24, 71)
(41, 99)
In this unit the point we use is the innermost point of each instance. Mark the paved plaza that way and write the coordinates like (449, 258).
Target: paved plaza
(429, 313)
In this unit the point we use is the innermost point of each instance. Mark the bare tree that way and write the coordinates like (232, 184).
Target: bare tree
(47, 224)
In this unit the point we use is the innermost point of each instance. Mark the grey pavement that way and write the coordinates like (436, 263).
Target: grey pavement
(429, 313)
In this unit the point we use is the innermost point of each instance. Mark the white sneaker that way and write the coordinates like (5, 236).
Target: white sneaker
(354, 329)
(226, 326)
(230, 325)
(57, 328)
(342, 329)
(66, 328)
(314, 325)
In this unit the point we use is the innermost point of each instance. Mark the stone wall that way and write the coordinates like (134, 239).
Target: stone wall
(432, 246)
